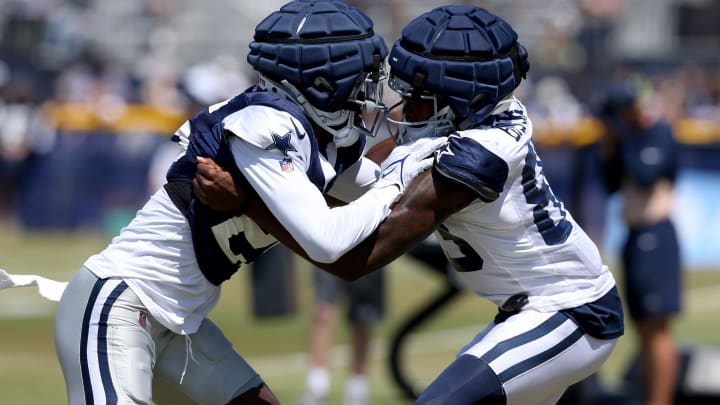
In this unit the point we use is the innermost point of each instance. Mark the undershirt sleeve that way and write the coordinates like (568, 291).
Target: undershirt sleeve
(355, 180)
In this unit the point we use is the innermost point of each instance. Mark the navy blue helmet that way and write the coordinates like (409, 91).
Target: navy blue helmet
(465, 55)
(324, 55)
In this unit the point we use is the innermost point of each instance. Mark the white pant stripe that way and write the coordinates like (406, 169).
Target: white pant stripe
(94, 331)
(534, 347)
(520, 337)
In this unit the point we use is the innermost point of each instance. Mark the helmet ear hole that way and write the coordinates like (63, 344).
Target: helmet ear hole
(478, 101)
(323, 84)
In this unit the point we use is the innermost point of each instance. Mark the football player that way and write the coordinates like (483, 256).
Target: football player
(137, 311)
(508, 237)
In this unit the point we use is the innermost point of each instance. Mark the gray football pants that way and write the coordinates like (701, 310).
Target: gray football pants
(113, 352)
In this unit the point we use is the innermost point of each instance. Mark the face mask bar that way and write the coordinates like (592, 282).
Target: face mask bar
(439, 124)
(366, 98)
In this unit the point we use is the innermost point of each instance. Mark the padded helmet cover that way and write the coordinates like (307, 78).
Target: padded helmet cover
(322, 47)
(463, 53)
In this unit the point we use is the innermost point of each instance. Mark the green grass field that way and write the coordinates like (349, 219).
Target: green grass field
(29, 372)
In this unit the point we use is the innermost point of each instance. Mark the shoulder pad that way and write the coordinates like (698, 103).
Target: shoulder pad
(262, 125)
(468, 162)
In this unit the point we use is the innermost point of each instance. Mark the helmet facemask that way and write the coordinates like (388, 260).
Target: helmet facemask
(366, 101)
(440, 123)
(345, 124)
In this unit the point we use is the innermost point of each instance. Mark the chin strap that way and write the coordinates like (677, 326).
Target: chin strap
(340, 124)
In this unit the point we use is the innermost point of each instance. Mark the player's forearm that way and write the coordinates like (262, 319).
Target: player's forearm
(406, 226)
(400, 232)
(418, 213)
(412, 220)
(362, 260)
(261, 215)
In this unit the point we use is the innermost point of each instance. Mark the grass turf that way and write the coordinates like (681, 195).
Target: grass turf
(30, 374)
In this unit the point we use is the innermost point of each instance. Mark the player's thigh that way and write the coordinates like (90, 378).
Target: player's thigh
(68, 331)
(550, 379)
(204, 367)
(104, 345)
(536, 355)
(165, 393)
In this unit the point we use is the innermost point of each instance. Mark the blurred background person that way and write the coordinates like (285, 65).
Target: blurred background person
(640, 160)
(365, 301)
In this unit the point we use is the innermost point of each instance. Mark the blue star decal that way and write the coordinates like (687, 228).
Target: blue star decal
(282, 142)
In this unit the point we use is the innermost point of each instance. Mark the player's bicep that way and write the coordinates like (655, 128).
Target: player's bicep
(282, 185)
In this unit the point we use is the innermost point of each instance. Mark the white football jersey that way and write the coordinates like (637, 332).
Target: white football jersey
(291, 176)
(517, 237)
(171, 259)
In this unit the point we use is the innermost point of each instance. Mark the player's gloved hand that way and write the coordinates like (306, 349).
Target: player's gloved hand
(408, 160)
(216, 187)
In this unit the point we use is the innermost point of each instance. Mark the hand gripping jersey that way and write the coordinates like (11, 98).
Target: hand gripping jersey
(222, 240)
(272, 144)
(176, 252)
(516, 238)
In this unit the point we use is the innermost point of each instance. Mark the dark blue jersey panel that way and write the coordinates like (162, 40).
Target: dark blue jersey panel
(466, 161)
(208, 139)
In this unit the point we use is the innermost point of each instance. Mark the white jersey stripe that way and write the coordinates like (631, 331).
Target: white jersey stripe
(93, 360)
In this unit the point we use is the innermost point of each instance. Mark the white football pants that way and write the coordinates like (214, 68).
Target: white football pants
(537, 355)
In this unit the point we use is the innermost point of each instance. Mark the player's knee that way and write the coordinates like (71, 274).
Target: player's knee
(468, 380)
(325, 312)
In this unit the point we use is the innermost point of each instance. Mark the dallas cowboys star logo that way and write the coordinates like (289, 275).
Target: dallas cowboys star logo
(445, 148)
(282, 142)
